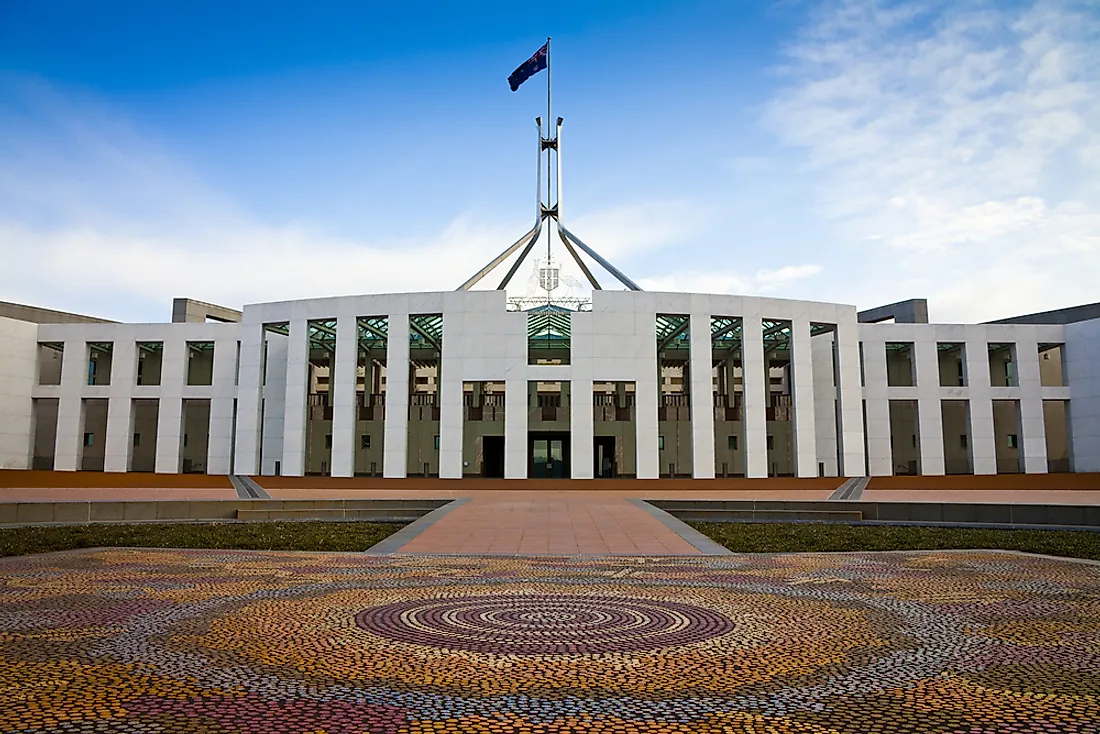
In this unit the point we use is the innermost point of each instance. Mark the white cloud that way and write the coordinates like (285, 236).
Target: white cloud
(957, 143)
(96, 217)
(718, 281)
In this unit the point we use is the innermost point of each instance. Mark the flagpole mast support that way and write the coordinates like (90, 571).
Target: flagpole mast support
(550, 206)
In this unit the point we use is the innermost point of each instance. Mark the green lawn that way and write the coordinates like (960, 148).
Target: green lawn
(811, 537)
(300, 536)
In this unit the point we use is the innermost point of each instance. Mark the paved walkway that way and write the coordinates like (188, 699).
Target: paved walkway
(549, 522)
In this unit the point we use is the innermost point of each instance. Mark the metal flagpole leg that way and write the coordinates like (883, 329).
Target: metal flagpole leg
(584, 268)
(596, 256)
(500, 258)
(521, 258)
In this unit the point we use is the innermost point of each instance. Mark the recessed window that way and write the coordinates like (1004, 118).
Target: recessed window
(328, 441)
(914, 440)
(185, 440)
(771, 443)
(137, 439)
(1012, 441)
(364, 441)
(437, 443)
(962, 440)
(660, 443)
(733, 443)
(89, 439)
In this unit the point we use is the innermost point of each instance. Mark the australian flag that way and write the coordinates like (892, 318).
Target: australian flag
(529, 68)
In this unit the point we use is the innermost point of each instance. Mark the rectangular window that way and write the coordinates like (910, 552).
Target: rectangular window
(150, 357)
(899, 364)
(1012, 441)
(89, 439)
(99, 362)
(660, 443)
(364, 441)
(437, 443)
(951, 357)
(733, 443)
(328, 441)
(200, 363)
(185, 440)
(1002, 365)
(49, 362)
(137, 439)
(771, 443)
(962, 441)
(914, 440)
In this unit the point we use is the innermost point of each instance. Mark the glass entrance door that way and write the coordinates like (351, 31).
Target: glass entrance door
(548, 456)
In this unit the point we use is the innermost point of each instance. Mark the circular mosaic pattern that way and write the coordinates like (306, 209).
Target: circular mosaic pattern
(522, 624)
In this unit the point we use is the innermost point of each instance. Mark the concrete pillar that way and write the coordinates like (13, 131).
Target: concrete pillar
(853, 457)
(702, 398)
(343, 394)
(983, 446)
(395, 450)
(173, 376)
(297, 383)
(929, 409)
(274, 404)
(755, 385)
(450, 418)
(515, 425)
(70, 410)
(223, 388)
(876, 398)
(805, 429)
(825, 408)
(581, 428)
(246, 455)
(116, 457)
(1082, 368)
(647, 394)
(1033, 438)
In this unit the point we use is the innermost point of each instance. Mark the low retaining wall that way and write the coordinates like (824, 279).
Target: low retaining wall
(931, 513)
(76, 513)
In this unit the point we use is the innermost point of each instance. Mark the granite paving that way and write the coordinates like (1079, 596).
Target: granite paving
(136, 640)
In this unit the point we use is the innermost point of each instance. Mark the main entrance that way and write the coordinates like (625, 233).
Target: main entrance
(492, 457)
(603, 457)
(548, 455)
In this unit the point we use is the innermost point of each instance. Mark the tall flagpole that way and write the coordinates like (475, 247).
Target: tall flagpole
(549, 134)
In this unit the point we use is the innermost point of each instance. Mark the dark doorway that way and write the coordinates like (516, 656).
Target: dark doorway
(603, 457)
(492, 457)
(548, 455)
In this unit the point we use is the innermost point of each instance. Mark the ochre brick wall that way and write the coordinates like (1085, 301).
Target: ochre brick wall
(1000, 482)
(63, 479)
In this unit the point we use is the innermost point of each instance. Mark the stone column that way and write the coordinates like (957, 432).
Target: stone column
(853, 457)
(702, 400)
(395, 451)
(116, 457)
(173, 377)
(929, 409)
(246, 454)
(297, 383)
(805, 431)
(343, 393)
(755, 385)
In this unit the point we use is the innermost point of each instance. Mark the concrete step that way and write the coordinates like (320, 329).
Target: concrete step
(394, 514)
(727, 515)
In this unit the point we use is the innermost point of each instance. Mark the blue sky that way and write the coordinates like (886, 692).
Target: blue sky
(859, 152)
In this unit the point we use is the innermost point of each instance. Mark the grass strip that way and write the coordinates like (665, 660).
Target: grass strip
(298, 536)
(821, 537)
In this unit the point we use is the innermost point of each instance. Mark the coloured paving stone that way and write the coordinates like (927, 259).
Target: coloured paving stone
(238, 641)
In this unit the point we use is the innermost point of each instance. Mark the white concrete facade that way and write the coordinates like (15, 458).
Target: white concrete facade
(840, 392)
